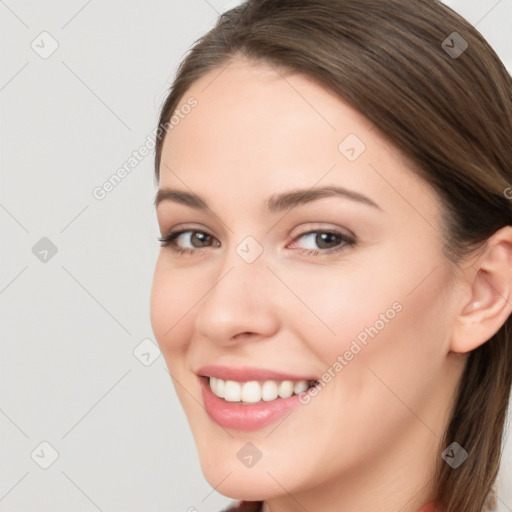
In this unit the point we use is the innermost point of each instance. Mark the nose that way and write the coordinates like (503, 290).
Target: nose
(240, 303)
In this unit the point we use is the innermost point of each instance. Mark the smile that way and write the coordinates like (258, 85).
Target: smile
(256, 391)
(239, 414)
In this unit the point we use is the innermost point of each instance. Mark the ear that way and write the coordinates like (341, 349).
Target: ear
(489, 280)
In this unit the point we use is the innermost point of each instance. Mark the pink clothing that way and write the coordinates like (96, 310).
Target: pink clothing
(429, 507)
(256, 506)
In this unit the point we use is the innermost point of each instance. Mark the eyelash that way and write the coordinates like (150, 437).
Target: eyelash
(345, 241)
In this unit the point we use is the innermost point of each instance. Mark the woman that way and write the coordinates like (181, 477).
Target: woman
(333, 292)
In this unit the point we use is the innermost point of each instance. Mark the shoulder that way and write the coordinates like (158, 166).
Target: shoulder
(244, 506)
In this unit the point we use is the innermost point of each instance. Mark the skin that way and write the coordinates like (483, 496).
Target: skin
(371, 438)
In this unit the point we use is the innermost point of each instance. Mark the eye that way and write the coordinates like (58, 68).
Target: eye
(316, 242)
(324, 241)
(196, 240)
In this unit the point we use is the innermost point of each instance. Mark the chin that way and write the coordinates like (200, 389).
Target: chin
(239, 488)
(249, 484)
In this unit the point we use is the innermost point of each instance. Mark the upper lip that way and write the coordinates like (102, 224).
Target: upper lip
(245, 373)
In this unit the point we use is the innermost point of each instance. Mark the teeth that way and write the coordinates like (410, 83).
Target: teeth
(269, 390)
(232, 391)
(220, 388)
(300, 386)
(285, 389)
(253, 391)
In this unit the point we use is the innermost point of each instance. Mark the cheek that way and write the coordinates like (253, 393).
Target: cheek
(391, 285)
(339, 306)
(392, 319)
(404, 348)
(172, 298)
(390, 341)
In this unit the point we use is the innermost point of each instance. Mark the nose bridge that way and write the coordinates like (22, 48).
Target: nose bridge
(240, 298)
(243, 269)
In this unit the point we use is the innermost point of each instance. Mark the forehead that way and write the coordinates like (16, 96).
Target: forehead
(251, 114)
(256, 128)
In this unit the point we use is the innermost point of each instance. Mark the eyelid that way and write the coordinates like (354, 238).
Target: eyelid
(321, 226)
(180, 228)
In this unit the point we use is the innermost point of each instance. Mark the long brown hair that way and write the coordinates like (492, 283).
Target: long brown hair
(445, 101)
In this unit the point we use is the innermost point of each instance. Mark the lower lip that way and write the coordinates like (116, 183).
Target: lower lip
(245, 417)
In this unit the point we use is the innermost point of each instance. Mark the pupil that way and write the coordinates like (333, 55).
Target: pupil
(322, 238)
(201, 238)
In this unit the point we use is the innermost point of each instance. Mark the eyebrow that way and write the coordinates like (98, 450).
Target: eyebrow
(275, 203)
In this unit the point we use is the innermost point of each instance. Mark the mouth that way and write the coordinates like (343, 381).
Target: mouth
(251, 405)
(256, 391)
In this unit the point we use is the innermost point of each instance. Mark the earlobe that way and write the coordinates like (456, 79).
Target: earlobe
(490, 301)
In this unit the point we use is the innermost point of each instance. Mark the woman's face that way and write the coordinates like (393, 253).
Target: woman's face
(344, 282)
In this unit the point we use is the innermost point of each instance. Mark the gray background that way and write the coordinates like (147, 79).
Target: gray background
(70, 324)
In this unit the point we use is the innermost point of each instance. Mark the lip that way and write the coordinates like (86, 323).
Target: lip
(245, 374)
(234, 415)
